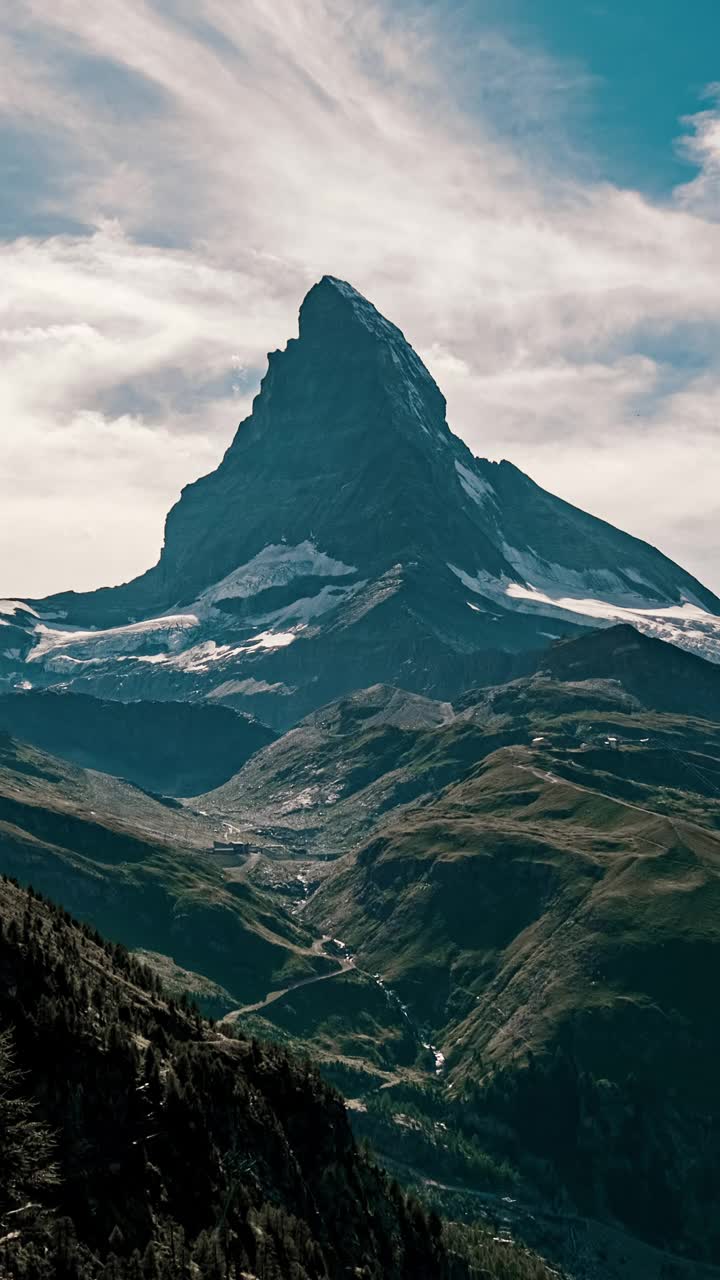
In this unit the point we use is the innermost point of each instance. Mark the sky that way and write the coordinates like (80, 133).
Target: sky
(530, 189)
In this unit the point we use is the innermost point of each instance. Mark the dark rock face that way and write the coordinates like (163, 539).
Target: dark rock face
(349, 538)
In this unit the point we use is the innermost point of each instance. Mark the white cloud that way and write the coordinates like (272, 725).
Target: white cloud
(91, 480)
(84, 491)
(245, 151)
(702, 147)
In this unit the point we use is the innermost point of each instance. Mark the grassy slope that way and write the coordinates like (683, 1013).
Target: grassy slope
(516, 902)
(323, 787)
(478, 864)
(514, 895)
(555, 896)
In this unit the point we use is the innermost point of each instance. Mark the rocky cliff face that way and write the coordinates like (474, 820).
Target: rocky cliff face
(349, 538)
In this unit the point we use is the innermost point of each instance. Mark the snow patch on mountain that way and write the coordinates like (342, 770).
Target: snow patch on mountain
(484, 584)
(275, 566)
(200, 658)
(309, 607)
(163, 641)
(270, 640)
(247, 688)
(545, 575)
(609, 611)
(11, 607)
(197, 658)
(475, 487)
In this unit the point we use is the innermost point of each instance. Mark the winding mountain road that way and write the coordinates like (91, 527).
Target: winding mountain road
(344, 964)
(546, 776)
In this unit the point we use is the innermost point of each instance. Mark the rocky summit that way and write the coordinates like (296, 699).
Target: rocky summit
(347, 539)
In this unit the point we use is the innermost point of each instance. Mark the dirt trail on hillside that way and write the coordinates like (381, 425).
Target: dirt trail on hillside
(236, 874)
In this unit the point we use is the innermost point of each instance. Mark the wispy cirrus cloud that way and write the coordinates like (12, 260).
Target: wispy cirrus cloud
(211, 161)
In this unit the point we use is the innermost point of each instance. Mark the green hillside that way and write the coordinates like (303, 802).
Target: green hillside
(560, 946)
(323, 787)
(137, 869)
(521, 888)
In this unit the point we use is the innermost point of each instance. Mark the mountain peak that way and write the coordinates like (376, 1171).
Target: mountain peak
(335, 316)
(333, 299)
(347, 539)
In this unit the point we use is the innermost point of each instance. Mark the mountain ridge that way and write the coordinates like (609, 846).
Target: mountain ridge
(354, 763)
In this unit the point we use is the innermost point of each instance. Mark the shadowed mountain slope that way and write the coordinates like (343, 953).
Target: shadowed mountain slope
(659, 675)
(174, 748)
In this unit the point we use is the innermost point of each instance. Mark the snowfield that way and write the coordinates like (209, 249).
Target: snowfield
(687, 624)
(172, 640)
(205, 638)
(171, 630)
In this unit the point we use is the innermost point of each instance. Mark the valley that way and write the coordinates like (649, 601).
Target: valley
(454, 910)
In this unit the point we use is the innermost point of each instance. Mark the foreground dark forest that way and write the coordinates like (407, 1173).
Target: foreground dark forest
(136, 1141)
